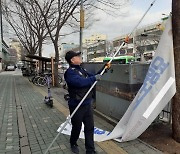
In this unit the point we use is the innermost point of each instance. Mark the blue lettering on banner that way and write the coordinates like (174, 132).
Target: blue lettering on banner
(98, 131)
(156, 69)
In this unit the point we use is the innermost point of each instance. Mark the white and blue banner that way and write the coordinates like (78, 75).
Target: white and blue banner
(98, 133)
(157, 90)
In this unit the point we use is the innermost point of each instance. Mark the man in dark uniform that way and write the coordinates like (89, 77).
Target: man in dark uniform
(79, 81)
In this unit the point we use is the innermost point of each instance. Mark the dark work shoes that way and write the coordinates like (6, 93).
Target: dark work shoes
(74, 148)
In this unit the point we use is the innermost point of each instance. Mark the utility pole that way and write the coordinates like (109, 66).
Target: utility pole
(81, 26)
(176, 43)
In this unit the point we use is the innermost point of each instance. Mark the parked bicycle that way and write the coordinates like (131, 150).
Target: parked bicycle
(40, 79)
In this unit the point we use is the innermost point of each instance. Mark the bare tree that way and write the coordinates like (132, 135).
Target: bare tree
(59, 11)
(64, 13)
(176, 99)
(28, 24)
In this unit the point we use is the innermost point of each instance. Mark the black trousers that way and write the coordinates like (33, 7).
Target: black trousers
(83, 114)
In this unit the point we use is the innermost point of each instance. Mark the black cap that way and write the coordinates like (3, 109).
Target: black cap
(70, 54)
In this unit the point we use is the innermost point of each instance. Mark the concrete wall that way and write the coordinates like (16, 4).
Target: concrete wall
(118, 87)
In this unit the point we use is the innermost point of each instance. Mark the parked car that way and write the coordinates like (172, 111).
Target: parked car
(10, 68)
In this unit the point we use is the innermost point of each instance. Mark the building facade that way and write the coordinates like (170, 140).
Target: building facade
(94, 39)
(15, 44)
(4, 55)
(96, 50)
(13, 55)
(97, 47)
(143, 41)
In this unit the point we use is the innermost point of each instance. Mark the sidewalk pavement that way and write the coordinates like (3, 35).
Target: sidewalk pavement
(28, 126)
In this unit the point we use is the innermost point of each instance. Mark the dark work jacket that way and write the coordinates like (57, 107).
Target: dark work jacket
(79, 81)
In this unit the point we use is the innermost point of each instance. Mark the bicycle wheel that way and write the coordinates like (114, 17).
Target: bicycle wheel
(42, 81)
(36, 79)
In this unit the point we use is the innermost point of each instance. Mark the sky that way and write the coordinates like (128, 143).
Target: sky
(122, 24)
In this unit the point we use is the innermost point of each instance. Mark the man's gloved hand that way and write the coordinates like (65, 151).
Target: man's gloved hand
(107, 65)
(98, 77)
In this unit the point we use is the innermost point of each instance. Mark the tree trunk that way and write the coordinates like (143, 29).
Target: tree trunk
(56, 65)
(176, 43)
(40, 55)
(40, 49)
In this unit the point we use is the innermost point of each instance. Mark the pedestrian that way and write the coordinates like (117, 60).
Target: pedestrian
(79, 81)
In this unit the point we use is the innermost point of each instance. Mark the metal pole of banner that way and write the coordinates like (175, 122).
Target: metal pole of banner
(69, 118)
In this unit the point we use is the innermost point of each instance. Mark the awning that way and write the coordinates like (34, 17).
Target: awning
(46, 59)
(29, 61)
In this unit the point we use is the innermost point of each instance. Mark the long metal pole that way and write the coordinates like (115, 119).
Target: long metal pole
(68, 120)
(142, 17)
